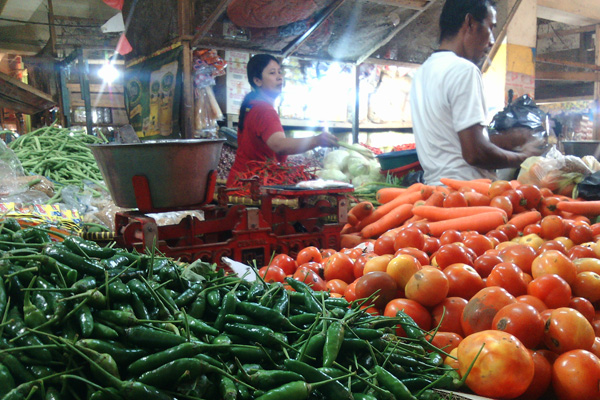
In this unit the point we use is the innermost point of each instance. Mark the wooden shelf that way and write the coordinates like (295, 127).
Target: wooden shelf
(304, 123)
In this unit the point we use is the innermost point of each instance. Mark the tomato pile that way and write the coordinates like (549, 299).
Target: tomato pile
(523, 296)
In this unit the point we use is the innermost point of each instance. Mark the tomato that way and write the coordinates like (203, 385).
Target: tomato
(359, 264)
(446, 341)
(532, 196)
(532, 240)
(548, 206)
(378, 263)
(554, 262)
(314, 266)
(587, 264)
(339, 266)
(542, 377)
(517, 200)
(479, 243)
(567, 329)
(372, 282)
(552, 226)
(581, 233)
(503, 369)
(455, 199)
(308, 254)
(336, 286)
(503, 203)
(452, 253)
(353, 253)
(452, 359)
(428, 286)
(553, 290)
(596, 346)
(450, 236)
(384, 245)
(285, 262)
(509, 230)
(311, 278)
(448, 313)
(498, 235)
(420, 255)
(409, 237)
(432, 244)
(508, 276)
(587, 285)
(370, 310)
(553, 245)
(521, 320)
(532, 228)
(498, 187)
(272, 273)
(584, 306)
(580, 251)
(485, 263)
(481, 309)
(575, 376)
(325, 253)
(415, 310)
(350, 292)
(402, 268)
(519, 254)
(538, 304)
(464, 281)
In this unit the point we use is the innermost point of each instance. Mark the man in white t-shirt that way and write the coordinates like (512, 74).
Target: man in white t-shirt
(448, 105)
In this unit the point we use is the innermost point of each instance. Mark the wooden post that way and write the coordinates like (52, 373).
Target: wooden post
(52, 30)
(597, 89)
(187, 104)
(356, 113)
(184, 17)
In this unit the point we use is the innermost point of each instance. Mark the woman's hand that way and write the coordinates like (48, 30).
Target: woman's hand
(326, 139)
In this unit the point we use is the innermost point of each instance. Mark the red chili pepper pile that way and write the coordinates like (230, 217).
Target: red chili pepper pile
(405, 146)
(375, 150)
(271, 173)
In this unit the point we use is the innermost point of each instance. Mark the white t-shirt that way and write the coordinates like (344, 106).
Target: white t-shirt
(446, 97)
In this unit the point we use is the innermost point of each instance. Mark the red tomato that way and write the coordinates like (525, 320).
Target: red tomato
(553, 290)
(552, 227)
(509, 230)
(359, 264)
(542, 377)
(339, 266)
(432, 244)
(446, 341)
(464, 281)
(485, 263)
(481, 309)
(532, 196)
(415, 310)
(581, 233)
(553, 245)
(503, 369)
(579, 251)
(532, 301)
(409, 237)
(452, 253)
(584, 306)
(575, 376)
(521, 320)
(508, 276)
(519, 254)
(567, 329)
(532, 228)
(498, 187)
(450, 236)
(517, 200)
(325, 253)
(285, 262)
(384, 245)
(308, 254)
(479, 243)
(272, 273)
(375, 281)
(448, 313)
(503, 203)
(310, 277)
(554, 262)
(428, 286)
(313, 266)
(498, 235)
(455, 199)
(336, 286)
(350, 292)
(548, 206)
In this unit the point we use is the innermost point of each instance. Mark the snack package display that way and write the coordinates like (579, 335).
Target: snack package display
(554, 171)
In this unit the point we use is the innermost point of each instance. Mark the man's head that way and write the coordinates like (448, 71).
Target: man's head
(474, 21)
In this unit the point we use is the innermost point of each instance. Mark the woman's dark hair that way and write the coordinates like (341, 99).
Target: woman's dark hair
(454, 13)
(254, 69)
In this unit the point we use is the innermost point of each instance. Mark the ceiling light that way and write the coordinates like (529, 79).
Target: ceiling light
(108, 73)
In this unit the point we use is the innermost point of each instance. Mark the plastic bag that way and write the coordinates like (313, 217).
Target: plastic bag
(523, 112)
(589, 187)
(554, 171)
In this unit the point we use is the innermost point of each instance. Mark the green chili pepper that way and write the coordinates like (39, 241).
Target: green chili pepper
(74, 261)
(311, 303)
(198, 306)
(265, 315)
(298, 390)
(138, 306)
(32, 316)
(53, 394)
(333, 343)
(239, 319)
(3, 297)
(86, 320)
(198, 326)
(149, 337)
(101, 331)
(189, 295)
(213, 297)
(122, 318)
(18, 330)
(106, 394)
(121, 354)
(86, 248)
(16, 368)
(118, 290)
(227, 388)
(313, 347)
(259, 334)
(332, 390)
(84, 284)
(303, 319)
(268, 379)
(116, 261)
(7, 382)
(142, 290)
(153, 361)
(393, 384)
(228, 306)
(165, 375)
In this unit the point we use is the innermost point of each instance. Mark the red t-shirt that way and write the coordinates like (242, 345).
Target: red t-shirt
(260, 123)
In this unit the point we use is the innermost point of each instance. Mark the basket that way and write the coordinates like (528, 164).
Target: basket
(401, 171)
(397, 159)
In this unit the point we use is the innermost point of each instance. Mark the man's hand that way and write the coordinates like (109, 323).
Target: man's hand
(533, 148)
(511, 139)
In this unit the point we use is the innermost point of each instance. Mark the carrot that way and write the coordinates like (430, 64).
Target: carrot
(441, 213)
(350, 240)
(442, 189)
(582, 207)
(477, 199)
(521, 220)
(484, 223)
(392, 219)
(456, 184)
(348, 229)
(436, 199)
(359, 212)
(426, 191)
(484, 180)
(406, 198)
(385, 195)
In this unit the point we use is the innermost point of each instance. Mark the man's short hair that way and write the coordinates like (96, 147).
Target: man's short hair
(454, 13)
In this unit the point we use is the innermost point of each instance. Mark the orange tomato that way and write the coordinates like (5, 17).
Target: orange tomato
(339, 266)
(567, 329)
(479, 312)
(575, 375)
(308, 254)
(336, 286)
(428, 286)
(464, 281)
(378, 263)
(521, 320)
(402, 268)
(587, 285)
(553, 290)
(554, 262)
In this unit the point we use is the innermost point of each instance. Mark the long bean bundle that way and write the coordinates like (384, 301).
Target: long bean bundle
(60, 154)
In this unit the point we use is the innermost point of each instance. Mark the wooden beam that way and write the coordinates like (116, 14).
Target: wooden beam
(294, 45)
(52, 29)
(2, 5)
(565, 32)
(96, 88)
(500, 38)
(411, 4)
(184, 17)
(566, 63)
(187, 104)
(567, 76)
(205, 27)
(574, 12)
(394, 33)
(597, 89)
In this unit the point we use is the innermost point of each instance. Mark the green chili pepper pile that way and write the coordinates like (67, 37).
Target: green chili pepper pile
(80, 321)
(59, 154)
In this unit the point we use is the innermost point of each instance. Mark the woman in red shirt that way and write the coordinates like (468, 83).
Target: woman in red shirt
(260, 134)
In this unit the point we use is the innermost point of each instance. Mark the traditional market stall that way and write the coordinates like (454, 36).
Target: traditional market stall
(128, 268)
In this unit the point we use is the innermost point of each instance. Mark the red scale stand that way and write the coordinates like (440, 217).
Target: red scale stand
(240, 232)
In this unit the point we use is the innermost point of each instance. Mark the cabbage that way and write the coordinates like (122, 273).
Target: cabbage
(336, 159)
(333, 174)
(357, 166)
(360, 180)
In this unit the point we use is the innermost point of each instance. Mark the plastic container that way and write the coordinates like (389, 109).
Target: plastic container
(401, 171)
(396, 159)
(582, 148)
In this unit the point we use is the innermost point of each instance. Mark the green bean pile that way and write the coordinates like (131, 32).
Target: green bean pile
(80, 321)
(59, 154)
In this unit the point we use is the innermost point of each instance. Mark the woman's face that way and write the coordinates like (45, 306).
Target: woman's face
(272, 80)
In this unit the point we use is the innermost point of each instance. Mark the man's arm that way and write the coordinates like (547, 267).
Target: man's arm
(479, 152)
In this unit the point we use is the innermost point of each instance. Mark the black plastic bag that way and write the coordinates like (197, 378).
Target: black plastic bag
(523, 112)
(589, 187)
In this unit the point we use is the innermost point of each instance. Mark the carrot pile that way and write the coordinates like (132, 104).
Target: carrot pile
(459, 205)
